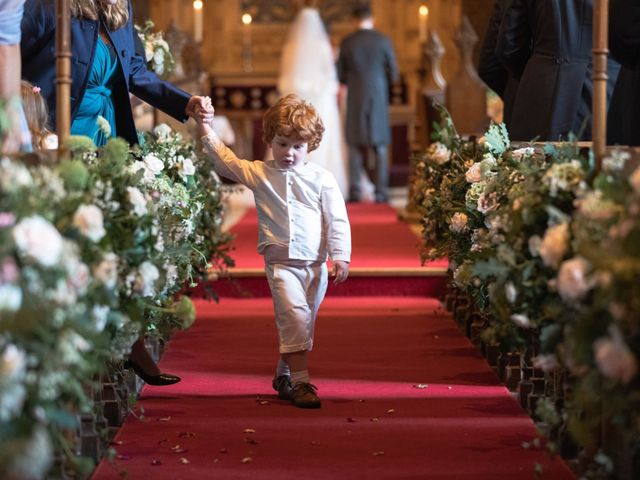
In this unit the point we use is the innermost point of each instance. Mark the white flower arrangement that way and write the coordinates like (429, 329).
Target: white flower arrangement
(550, 256)
(68, 246)
(157, 52)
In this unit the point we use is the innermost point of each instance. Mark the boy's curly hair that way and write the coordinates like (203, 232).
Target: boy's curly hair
(293, 116)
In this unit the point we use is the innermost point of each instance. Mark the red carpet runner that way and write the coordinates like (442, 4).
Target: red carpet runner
(404, 396)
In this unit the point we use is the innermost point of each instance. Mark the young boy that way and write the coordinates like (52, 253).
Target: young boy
(302, 220)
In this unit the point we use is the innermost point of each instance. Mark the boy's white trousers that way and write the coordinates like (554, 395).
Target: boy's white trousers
(297, 288)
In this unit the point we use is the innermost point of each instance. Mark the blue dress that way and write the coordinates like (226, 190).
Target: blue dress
(98, 100)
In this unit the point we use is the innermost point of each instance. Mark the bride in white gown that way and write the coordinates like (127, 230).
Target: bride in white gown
(308, 70)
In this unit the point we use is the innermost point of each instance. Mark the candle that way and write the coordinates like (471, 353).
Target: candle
(197, 20)
(246, 42)
(246, 29)
(423, 17)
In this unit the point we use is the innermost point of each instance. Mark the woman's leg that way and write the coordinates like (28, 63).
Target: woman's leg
(140, 356)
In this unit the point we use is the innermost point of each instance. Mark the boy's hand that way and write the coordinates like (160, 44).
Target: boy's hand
(200, 109)
(204, 118)
(340, 271)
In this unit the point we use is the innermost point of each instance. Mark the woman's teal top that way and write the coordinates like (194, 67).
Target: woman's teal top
(97, 101)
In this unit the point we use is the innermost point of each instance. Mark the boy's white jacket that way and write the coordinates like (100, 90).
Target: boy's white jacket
(301, 208)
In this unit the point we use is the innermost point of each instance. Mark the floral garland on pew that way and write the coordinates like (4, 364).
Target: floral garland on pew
(93, 251)
(554, 262)
(156, 50)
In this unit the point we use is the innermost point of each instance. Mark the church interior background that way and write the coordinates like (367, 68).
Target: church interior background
(237, 63)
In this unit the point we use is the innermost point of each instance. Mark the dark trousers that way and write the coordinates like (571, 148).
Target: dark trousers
(377, 162)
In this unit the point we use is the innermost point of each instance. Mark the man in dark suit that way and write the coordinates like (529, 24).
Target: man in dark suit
(546, 45)
(490, 69)
(624, 43)
(367, 65)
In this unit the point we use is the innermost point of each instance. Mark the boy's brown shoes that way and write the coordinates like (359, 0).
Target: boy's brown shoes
(304, 396)
(282, 385)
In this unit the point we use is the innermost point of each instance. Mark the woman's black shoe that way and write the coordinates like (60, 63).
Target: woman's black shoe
(157, 380)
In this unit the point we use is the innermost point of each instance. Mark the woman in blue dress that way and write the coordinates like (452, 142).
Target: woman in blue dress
(105, 67)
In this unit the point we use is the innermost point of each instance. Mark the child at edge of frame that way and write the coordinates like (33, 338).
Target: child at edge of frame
(302, 221)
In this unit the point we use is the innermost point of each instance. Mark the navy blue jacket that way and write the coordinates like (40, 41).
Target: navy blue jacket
(39, 66)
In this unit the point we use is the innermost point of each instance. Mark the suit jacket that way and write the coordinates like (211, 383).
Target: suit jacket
(624, 43)
(38, 66)
(546, 44)
(490, 69)
(367, 65)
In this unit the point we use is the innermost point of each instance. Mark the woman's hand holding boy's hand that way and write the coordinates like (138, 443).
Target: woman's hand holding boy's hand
(200, 109)
(340, 271)
(203, 115)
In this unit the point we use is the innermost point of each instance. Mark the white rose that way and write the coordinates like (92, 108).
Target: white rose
(90, 221)
(474, 174)
(459, 222)
(80, 277)
(71, 346)
(158, 56)
(573, 282)
(10, 298)
(510, 292)
(153, 163)
(106, 271)
(170, 275)
(521, 153)
(439, 153)
(162, 131)
(137, 200)
(38, 239)
(614, 358)
(148, 51)
(186, 167)
(520, 320)
(159, 245)
(100, 314)
(13, 362)
(104, 125)
(147, 175)
(158, 69)
(146, 278)
(555, 244)
(14, 174)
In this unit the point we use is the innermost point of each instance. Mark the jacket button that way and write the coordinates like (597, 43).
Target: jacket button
(123, 53)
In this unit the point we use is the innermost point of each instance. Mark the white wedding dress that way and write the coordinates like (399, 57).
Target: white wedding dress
(308, 70)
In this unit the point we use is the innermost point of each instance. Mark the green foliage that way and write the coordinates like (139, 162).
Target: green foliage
(74, 174)
(497, 138)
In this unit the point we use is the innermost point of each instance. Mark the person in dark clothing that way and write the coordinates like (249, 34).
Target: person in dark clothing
(624, 44)
(367, 65)
(490, 69)
(546, 45)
